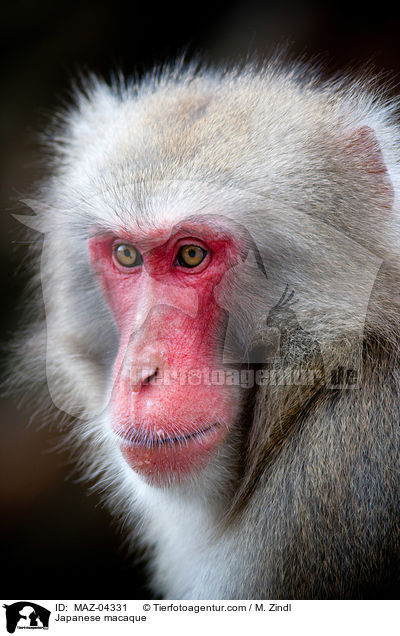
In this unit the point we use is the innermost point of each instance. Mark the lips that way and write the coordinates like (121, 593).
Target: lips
(153, 439)
(161, 458)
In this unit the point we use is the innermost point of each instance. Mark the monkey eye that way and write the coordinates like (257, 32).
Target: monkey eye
(127, 255)
(190, 255)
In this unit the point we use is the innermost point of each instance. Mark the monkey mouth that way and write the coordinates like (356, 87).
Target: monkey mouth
(157, 439)
(162, 458)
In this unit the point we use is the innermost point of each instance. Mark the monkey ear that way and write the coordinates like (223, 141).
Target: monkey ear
(363, 146)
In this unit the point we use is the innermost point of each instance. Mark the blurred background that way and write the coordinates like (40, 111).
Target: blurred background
(56, 541)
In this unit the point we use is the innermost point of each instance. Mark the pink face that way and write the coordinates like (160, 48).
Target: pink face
(170, 406)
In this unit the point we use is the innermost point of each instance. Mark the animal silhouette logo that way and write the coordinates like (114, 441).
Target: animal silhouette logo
(26, 615)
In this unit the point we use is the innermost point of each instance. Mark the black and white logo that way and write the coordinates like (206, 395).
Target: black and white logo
(26, 615)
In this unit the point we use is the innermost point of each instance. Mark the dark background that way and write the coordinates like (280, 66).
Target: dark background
(56, 541)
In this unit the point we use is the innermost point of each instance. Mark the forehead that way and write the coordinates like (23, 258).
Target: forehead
(158, 208)
(224, 147)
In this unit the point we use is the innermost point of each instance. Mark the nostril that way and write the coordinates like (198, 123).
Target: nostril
(140, 377)
(150, 377)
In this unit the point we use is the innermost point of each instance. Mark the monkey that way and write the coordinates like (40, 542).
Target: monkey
(177, 212)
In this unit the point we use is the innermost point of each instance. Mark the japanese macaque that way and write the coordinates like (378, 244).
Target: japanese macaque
(221, 281)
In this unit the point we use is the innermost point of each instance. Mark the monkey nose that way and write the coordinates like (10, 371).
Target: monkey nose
(143, 363)
(141, 376)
